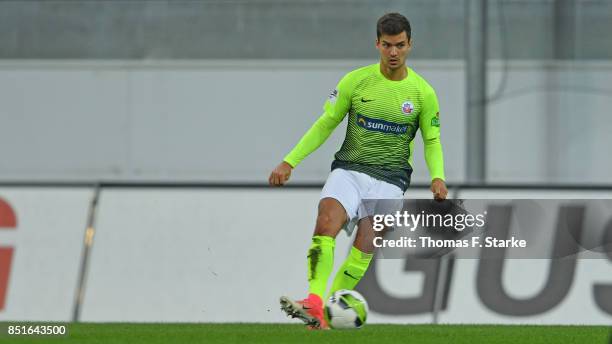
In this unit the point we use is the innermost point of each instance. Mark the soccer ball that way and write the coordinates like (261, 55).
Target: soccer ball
(346, 309)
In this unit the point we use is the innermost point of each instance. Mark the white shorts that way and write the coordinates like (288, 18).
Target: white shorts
(350, 188)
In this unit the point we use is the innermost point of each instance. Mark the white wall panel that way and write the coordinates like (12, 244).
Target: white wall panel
(233, 121)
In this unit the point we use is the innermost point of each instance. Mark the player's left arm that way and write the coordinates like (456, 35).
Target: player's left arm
(429, 122)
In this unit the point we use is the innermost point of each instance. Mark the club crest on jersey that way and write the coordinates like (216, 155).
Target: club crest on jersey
(407, 108)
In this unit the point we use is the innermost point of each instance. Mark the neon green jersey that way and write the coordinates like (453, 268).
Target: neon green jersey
(384, 116)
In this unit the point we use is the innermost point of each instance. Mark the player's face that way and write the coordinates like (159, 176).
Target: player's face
(393, 49)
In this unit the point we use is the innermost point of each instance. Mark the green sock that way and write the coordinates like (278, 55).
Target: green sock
(320, 263)
(352, 270)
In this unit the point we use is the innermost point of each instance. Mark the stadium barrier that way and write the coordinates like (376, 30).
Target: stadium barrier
(225, 253)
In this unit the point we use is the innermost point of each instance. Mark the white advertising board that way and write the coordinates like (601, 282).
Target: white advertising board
(46, 243)
(226, 255)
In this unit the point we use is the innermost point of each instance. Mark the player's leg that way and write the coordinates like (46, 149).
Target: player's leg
(359, 258)
(362, 251)
(330, 220)
(338, 204)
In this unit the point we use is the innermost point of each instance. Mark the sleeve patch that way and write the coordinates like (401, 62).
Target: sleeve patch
(333, 96)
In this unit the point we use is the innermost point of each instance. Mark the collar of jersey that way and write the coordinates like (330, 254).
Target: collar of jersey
(409, 73)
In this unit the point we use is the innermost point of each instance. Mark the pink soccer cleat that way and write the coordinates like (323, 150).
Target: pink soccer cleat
(309, 310)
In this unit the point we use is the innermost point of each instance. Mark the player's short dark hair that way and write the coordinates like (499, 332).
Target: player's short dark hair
(392, 24)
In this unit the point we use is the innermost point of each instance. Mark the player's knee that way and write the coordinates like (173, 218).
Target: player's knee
(365, 246)
(327, 225)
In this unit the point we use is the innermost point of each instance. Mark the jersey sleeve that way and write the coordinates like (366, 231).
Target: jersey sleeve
(429, 122)
(335, 109)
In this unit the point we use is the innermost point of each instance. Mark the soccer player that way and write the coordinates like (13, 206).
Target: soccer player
(386, 104)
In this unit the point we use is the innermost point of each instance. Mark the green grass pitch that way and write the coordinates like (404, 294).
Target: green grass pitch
(277, 333)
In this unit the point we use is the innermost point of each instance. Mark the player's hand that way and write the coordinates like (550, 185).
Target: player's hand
(438, 187)
(280, 175)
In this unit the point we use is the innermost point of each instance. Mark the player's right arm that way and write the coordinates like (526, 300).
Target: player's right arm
(335, 109)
